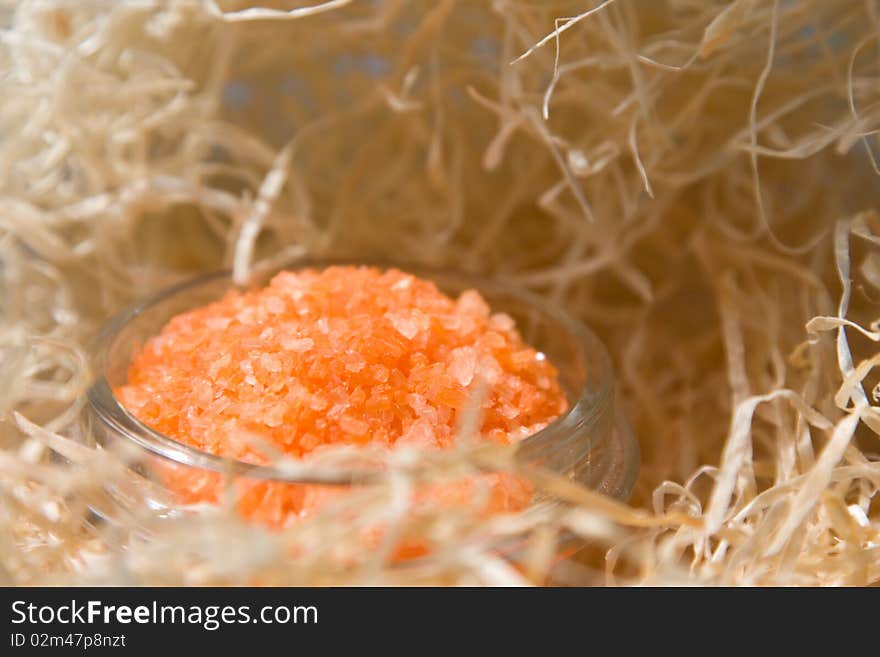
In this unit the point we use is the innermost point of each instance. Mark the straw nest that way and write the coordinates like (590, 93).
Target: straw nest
(696, 179)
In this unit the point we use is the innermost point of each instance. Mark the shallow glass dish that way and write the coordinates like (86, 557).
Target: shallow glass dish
(591, 443)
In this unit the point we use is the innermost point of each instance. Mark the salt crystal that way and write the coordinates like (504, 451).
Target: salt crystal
(298, 345)
(381, 373)
(353, 426)
(406, 326)
(218, 323)
(509, 411)
(217, 365)
(450, 322)
(336, 410)
(523, 359)
(419, 434)
(354, 362)
(463, 365)
(490, 370)
(471, 303)
(246, 316)
(403, 284)
(309, 441)
(317, 403)
(203, 394)
(274, 415)
(501, 322)
(275, 305)
(270, 363)
(218, 406)
(422, 408)
(466, 326)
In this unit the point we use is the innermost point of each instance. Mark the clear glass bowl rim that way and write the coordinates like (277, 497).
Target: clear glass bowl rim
(590, 405)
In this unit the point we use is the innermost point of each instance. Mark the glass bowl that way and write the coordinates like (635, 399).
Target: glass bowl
(591, 443)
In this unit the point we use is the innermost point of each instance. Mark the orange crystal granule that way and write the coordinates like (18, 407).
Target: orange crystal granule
(342, 356)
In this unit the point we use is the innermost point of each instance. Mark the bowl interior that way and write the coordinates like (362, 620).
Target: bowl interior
(580, 358)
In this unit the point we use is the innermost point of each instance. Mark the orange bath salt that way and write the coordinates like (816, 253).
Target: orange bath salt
(341, 356)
